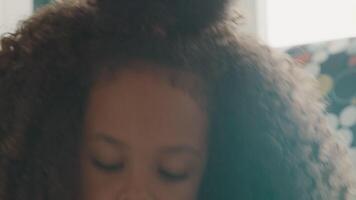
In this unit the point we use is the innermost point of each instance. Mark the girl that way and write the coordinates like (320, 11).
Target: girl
(158, 100)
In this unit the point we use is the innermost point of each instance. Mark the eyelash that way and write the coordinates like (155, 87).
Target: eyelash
(107, 167)
(165, 175)
(171, 176)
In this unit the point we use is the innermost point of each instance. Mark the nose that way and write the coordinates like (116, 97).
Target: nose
(134, 188)
(134, 194)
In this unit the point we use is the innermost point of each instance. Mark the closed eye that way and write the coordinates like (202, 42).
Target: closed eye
(115, 167)
(173, 177)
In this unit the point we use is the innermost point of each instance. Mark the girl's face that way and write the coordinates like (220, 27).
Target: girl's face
(143, 140)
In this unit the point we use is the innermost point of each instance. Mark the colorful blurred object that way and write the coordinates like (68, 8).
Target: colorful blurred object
(333, 64)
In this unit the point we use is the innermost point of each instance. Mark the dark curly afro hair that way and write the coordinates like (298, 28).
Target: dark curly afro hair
(268, 135)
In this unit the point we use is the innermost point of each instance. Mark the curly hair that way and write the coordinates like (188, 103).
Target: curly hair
(268, 137)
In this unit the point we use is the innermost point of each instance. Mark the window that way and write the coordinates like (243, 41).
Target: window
(289, 22)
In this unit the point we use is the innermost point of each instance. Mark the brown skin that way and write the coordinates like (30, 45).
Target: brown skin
(144, 139)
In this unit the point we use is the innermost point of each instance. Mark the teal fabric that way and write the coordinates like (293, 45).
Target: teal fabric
(39, 3)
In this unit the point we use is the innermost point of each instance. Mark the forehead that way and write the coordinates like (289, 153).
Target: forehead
(142, 106)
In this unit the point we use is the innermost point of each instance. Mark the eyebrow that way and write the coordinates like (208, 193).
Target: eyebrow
(182, 149)
(109, 139)
(179, 149)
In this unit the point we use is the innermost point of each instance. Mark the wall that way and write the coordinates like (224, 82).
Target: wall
(254, 13)
(11, 11)
(248, 9)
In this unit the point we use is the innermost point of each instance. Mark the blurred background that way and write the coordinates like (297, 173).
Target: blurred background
(317, 33)
(279, 23)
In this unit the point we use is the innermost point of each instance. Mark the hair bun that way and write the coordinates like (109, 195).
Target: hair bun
(165, 16)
